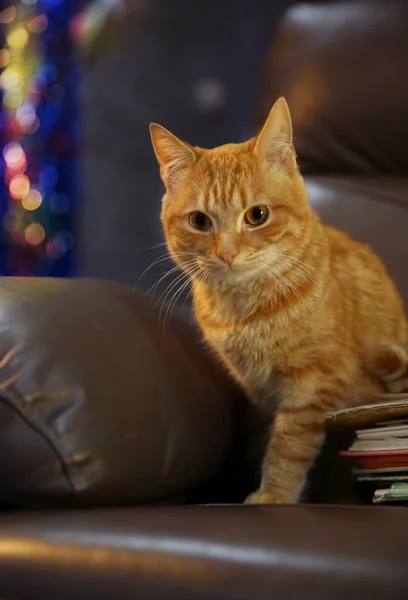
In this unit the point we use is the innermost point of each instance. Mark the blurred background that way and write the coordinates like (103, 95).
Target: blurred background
(39, 128)
(80, 192)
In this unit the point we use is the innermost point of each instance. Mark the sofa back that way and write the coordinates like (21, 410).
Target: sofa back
(343, 68)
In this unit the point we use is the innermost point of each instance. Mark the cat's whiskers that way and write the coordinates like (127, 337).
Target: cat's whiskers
(163, 275)
(178, 292)
(295, 262)
(295, 269)
(285, 281)
(266, 272)
(176, 296)
(203, 279)
(292, 263)
(163, 297)
(159, 245)
(265, 278)
(160, 259)
(177, 267)
(189, 275)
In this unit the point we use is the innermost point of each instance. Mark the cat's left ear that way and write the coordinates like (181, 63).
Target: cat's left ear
(274, 144)
(174, 156)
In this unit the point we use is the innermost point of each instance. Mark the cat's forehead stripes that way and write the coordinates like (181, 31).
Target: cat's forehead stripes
(223, 183)
(225, 197)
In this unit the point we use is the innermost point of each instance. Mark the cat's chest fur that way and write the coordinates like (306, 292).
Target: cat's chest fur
(251, 348)
(254, 348)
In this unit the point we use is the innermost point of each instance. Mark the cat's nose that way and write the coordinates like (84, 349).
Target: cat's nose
(228, 256)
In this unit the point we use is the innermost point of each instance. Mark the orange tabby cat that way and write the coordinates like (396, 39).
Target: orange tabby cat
(277, 293)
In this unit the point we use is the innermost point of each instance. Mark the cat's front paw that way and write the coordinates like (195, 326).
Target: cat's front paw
(261, 497)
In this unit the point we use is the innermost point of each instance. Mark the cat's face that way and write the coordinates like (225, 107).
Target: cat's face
(235, 212)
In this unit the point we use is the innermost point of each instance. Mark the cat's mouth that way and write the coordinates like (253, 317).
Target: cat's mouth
(208, 271)
(234, 273)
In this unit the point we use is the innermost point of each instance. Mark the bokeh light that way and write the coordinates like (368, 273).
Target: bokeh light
(32, 200)
(12, 98)
(30, 127)
(25, 115)
(37, 84)
(4, 58)
(12, 78)
(17, 38)
(63, 241)
(8, 15)
(34, 234)
(38, 24)
(15, 160)
(14, 155)
(19, 186)
(35, 68)
(49, 176)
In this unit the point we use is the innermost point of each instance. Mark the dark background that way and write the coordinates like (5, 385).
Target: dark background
(191, 66)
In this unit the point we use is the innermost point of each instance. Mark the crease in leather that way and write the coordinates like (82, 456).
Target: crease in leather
(67, 406)
(8, 399)
(63, 404)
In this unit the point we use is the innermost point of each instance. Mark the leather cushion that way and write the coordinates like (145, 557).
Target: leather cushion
(97, 405)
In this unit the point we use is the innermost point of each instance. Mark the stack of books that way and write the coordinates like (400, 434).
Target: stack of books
(379, 451)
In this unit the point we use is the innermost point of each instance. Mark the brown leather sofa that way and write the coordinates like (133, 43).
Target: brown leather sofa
(100, 411)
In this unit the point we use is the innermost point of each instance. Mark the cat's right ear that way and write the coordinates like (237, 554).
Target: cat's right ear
(174, 156)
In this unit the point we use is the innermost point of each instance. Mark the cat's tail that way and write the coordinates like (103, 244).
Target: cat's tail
(389, 363)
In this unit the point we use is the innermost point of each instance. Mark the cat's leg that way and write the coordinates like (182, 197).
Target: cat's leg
(295, 443)
(297, 437)
(298, 431)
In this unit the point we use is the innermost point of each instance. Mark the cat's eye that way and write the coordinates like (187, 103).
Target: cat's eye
(199, 220)
(257, 215)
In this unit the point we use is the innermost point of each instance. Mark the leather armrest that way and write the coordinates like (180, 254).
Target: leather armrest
(200, 553)
(97, 404)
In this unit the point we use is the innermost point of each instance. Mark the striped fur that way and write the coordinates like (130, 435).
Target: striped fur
(301, 301)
